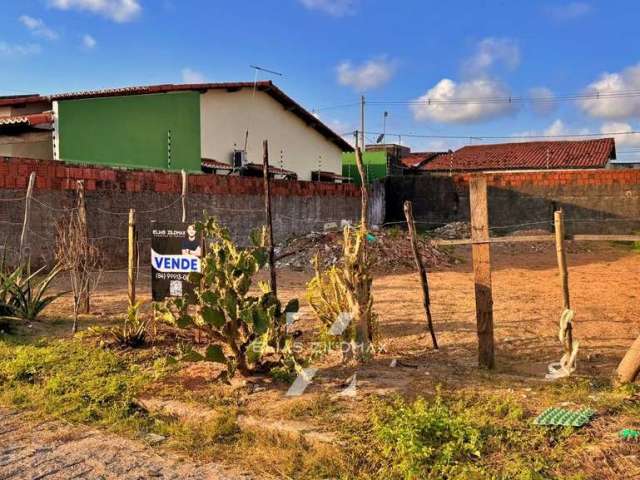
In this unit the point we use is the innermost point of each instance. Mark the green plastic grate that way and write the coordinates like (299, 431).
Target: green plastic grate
(629, 435)
(554, 416)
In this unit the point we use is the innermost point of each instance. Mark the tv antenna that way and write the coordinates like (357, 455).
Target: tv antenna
(255, 84)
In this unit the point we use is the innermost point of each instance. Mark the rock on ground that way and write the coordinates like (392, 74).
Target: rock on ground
(56, 451)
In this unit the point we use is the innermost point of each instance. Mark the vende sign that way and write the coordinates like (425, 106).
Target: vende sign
(176, 249)
(174, 263)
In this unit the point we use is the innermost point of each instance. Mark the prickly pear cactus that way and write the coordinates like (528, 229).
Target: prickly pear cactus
(247, 332)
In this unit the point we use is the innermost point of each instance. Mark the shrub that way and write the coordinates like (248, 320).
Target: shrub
(426, 440)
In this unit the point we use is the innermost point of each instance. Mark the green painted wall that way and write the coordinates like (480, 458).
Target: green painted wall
(131, 131)
(375, 164)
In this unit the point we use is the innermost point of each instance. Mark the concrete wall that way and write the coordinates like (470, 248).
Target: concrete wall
(594, 201)
(298, 207)
(293, 145)
(131, 131)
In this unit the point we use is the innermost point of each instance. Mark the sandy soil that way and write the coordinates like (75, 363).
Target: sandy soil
(605, 292)
(56, 451)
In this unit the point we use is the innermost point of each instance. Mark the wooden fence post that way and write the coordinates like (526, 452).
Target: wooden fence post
(132, 253)
(408, 213)
(27, 212)
(267, 214)
(364, 209)
(82, 219)
(561, 252)
(558, 220)
(184, 196)
(481, 251)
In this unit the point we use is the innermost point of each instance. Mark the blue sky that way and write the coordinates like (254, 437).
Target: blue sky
(451, 56)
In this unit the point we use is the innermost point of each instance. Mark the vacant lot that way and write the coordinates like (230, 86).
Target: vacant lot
(604, 284)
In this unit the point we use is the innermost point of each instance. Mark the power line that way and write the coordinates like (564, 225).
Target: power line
(496, 137)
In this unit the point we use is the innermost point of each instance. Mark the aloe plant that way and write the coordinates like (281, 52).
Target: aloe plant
(247, 331)
(133, 331)
(23, 294)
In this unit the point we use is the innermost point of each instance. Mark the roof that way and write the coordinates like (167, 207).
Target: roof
(272, 169)
(28, 120)
(527, 155)
(416, 159)
(267, 87)
(215, 164)
(325, 175)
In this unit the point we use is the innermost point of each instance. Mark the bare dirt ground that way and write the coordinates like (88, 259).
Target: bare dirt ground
(605, 292)
(605, 289)
(56, 451)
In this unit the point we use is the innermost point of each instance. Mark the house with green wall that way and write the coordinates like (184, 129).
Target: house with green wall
(208, 127)
(157, 131)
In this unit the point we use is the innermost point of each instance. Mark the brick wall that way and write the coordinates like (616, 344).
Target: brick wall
(594, 201)
(298, 207)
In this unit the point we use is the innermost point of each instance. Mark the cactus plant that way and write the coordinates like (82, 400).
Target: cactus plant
(347, 288)
(246, 332)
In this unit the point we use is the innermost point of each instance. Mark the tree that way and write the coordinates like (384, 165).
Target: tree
(81, 259)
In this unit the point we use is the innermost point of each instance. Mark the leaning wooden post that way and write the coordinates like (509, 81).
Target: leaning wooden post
(629, 366)
(481, 251)
(364, 208)
(408, 213)
(184, 196)
(82, 220)
(267, 214)
(561, 252)
(27, 213)
(131, 266)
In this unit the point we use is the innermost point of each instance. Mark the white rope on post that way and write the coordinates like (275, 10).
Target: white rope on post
(27, 212)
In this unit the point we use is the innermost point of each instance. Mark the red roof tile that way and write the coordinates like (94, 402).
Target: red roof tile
(215, 164)
(527, 155)
(28, 120)
(415, 159)
(265, 86)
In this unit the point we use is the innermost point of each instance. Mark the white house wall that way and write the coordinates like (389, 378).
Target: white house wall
(225, 117)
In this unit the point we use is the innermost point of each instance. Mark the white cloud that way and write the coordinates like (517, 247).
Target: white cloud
(336, 8)
(611, 100)
(117, 10)
(366, 76)
(38, 27)
(192, 76)
(88, 41)
(542, 100)
(453, 102)
(556, 129)
(12, 49)
(570, 10)
(624, 140)
(491, 52)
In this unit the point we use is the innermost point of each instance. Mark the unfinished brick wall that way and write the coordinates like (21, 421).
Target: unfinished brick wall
(298, 207)
(594, 201)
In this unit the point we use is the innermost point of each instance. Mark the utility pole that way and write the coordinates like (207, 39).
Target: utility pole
(363, 146)
(362, 122)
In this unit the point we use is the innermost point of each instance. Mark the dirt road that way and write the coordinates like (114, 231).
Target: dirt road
(56, 451)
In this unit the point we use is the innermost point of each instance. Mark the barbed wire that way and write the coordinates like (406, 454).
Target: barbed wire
(18, 199)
